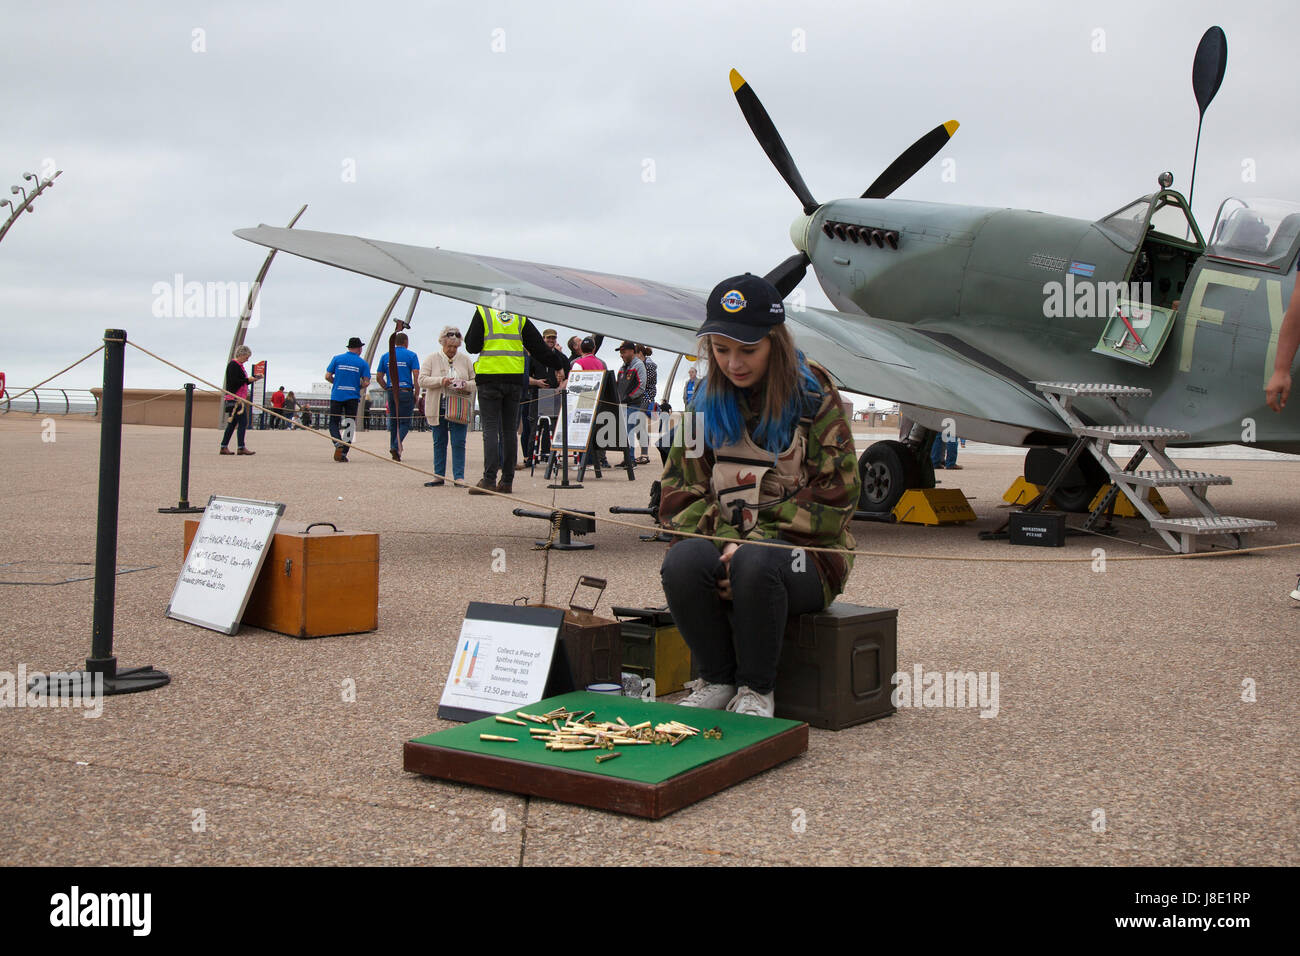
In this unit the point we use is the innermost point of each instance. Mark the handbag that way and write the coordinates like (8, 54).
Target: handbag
(459, 407)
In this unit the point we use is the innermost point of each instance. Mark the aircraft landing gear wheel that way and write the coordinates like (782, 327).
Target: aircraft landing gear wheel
(887, 469)
(1081, 484)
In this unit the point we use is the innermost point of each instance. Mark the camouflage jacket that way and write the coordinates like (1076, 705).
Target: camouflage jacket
(819, 513)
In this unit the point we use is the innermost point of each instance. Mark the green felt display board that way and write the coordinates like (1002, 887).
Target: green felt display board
(645, 764)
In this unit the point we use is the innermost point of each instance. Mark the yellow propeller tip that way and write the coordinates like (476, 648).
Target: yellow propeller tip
(737, 81)
(951, 126)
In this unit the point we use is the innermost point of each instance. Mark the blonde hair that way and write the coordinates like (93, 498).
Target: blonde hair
(448, 328)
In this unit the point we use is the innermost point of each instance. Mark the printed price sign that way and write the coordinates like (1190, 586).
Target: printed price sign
(502, 659)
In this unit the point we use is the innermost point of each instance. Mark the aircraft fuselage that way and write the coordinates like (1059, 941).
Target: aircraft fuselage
(1027, 295)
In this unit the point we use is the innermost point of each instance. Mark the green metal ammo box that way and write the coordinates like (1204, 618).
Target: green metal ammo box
(837, 666)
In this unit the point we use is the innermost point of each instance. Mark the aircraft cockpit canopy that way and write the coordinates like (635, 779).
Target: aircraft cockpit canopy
(1162, 216)
(1261, 232)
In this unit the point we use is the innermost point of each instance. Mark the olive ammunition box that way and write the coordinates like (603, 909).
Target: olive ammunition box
(837, 666)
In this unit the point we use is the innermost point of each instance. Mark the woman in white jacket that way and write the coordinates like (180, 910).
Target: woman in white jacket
(447, 372)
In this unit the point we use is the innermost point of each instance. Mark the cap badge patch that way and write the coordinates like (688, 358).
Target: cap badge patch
(733, 301)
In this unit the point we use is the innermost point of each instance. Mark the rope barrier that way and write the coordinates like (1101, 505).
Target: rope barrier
(895, 555)
(57, 374)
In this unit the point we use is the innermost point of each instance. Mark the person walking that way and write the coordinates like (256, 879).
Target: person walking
(408, 379)
(447, 373)
(238, 409)
(349, 375)
(503, 341)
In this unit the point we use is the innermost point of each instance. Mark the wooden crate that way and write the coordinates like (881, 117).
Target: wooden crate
(314, 584)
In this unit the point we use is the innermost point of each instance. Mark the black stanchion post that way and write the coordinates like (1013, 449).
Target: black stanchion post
(564, 431)
(101, 661)
(184, 506)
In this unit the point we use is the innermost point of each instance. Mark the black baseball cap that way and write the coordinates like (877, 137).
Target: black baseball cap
(744, 308)
(355, 343)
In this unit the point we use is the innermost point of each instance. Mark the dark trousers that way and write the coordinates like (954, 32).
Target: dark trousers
(529, 415)
(738, 641)
(400, 423)
(240, 420)
(499, 408)
(338, 412)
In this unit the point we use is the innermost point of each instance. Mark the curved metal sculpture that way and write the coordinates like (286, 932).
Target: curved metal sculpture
(18, 209)
(246, 313)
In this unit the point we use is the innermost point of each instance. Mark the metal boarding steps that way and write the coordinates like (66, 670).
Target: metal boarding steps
(1180, 534)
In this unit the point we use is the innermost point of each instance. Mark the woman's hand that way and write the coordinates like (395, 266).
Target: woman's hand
(724, 583)
(1278, 390)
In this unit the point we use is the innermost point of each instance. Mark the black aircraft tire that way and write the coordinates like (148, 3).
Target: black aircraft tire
(886, 469)
(1081, 484)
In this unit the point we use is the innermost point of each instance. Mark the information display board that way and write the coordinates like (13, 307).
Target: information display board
(502, 660)
(258, 392)
(223, 563)
(584, 390)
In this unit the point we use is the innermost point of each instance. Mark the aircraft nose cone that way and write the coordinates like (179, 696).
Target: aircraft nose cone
(799, 233)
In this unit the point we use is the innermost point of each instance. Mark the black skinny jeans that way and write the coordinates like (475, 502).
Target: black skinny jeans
(738, 641)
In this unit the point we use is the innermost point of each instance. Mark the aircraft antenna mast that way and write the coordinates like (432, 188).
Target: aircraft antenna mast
(1207, 76)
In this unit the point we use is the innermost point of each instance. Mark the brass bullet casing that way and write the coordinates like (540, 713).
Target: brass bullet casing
(512, 740)
(603, 757)
(510, 720)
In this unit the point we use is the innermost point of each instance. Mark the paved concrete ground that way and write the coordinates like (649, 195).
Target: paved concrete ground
(1120, 693)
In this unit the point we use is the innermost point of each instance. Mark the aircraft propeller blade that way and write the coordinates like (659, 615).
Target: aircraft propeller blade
(764, 131)
(789, 273)
(912, 159)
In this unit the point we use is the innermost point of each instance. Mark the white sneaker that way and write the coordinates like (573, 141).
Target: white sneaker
(709, 696)
(752, 702)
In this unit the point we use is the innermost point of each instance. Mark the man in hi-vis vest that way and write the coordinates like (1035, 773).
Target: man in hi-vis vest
(503, 341)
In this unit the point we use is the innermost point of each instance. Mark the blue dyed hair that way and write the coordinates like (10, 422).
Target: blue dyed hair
(718, 406)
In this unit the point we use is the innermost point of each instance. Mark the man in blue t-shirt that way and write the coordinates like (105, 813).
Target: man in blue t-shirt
(349, 373)
(408, 378)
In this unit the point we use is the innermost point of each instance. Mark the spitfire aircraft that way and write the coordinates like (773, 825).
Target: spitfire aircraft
(956, 311)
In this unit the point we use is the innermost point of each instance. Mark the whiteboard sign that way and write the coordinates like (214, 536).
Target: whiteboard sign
(224, 560)
(502, 660)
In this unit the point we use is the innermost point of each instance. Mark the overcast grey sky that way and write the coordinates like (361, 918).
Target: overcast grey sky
(522, 130)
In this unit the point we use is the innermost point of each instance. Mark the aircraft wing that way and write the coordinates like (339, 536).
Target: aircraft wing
(874, 357)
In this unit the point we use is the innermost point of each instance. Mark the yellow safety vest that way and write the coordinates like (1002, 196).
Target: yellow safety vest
(503, 343)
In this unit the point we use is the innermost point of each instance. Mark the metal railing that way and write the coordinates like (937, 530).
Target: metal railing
(51, 401)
